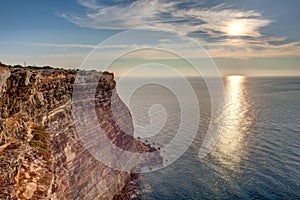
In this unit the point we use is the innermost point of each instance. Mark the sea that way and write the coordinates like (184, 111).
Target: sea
(256, 154)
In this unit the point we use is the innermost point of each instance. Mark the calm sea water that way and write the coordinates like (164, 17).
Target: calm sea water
(257, 155)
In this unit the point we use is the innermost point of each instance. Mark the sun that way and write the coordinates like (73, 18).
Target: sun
(236, 28)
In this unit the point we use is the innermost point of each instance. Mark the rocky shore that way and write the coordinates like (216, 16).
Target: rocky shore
(41, 153)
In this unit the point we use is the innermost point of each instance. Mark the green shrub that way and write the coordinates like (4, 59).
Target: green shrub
(40, 141)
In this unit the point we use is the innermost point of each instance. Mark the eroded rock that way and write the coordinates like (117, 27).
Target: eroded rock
(41, 154)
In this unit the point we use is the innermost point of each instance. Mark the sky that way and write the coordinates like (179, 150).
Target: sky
(249, 37)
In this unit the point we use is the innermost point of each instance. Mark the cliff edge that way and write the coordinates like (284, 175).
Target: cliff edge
(41, 154)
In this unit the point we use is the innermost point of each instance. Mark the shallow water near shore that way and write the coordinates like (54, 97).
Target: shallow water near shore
(257, 154)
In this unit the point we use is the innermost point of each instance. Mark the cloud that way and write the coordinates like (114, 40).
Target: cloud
(74, 45)
(167, 14)
(210, 23)
(246, 50)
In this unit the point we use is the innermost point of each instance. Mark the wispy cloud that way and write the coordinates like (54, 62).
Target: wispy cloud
(68, 45)
(244, 49)
(167, 14)
(209, 23)
(74, 45)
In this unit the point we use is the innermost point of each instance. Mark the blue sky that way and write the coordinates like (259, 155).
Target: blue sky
(252, 37)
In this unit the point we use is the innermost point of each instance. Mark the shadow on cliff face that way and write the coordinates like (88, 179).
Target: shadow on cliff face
(96, 104)
(122, 125)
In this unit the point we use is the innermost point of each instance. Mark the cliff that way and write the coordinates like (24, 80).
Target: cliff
(41, 153)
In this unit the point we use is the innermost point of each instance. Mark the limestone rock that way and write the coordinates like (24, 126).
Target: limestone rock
(41, 154)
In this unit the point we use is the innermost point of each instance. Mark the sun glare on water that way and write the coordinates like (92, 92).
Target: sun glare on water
(233, 123)
(235, 78)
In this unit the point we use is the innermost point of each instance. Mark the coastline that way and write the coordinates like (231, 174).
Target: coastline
(37, 125)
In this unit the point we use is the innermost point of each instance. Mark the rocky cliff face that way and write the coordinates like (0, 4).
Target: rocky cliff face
(41, 154)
